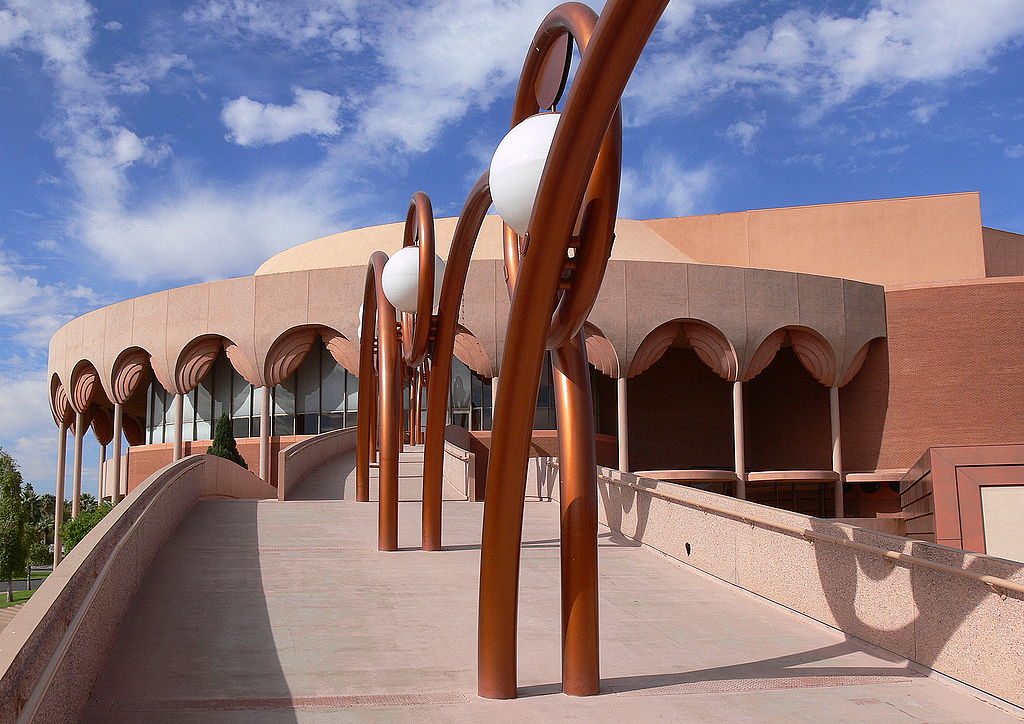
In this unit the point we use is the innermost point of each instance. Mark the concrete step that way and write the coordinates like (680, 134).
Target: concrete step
(7, 614)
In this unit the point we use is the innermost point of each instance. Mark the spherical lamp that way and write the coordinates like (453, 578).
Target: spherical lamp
(517, 166)
(401, 275)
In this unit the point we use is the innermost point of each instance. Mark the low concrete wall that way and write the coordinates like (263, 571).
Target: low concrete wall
(953, 625)
(299, 458)
(459, 469)
(53, 650)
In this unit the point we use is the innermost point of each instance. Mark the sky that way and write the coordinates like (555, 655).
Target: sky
(148, 145)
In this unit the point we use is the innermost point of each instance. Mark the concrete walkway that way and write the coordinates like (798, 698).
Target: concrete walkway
(259, 611)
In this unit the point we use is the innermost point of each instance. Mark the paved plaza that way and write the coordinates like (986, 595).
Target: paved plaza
(261, 611)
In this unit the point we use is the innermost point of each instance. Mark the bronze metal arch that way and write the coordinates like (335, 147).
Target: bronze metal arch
(452, 288)
(579, 189)
(386, 403)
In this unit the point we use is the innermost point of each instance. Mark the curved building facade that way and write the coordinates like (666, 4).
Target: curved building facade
(811, 338)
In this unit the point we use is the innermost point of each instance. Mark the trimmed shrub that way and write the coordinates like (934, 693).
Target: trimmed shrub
(224, 444)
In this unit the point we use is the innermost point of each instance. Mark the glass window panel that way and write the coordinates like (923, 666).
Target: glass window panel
(351, 419)
(307, 382)
(461, 386)
(332, 389)
(332, 421)
(284, 398)
(240, 427)
(204, 400)
(241, 399)
(203, 430)
(461, 419)
(283, 425)
(169, 407)
(221, 387)
(351, 391)
(189, 407)
(476, 419)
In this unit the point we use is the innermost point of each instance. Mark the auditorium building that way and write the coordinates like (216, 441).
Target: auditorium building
(862, 360)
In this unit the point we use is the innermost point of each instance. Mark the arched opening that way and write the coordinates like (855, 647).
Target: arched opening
(680, 400)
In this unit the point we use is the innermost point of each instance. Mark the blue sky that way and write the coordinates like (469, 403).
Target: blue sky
(152, 144)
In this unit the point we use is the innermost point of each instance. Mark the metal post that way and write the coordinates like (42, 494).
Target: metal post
(116, 472)
(739, 440)
(390, 414)
(837, 449)
(265, 434)
(578, 505)
(179, 424)
(76, 472)
(58, 498)
(623, 423)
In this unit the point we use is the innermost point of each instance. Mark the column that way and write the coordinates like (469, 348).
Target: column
(76, 473)
(115, 473)
(100, 478)
(739, 440)
(837, 449)
(58, 502)
(623, 423)
(265, 434)
(179, 413)
(494, 394)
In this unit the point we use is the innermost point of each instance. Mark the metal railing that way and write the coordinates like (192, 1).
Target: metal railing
(998, 585)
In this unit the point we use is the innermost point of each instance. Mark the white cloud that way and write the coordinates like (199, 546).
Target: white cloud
(113, 26)
(924, 113)
(330, 24)
(827, 59)
(251, 123)
(662, 187)
(1015, 151)
(742, 133)
(135, 76)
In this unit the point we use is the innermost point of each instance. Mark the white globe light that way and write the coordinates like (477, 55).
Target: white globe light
(517, 166)
(400, 279)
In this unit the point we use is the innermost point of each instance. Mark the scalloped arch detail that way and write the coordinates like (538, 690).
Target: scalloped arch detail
(130, 372)
(470, 351)
(713, 349)
(85, 382)
(195, 361)
(856, 363)
(134, 430)
(102, 425)
(764, 354)
(653, 347)
(343, 350)
(815, 354)
(600, 351)
(242, 364)
(287, 353)
(60, 405)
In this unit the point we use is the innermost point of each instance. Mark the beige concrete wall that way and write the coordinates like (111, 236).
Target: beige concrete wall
(746, 305)
(888, 241)
(1002, 512)
(299, 458)
(459, 469)
(948, 623)
(53, 650)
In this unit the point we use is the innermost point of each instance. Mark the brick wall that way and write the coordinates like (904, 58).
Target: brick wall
(950, 373)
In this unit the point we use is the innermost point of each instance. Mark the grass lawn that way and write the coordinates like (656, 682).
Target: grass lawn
(19, 596)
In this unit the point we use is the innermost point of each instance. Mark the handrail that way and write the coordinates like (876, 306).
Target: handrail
(449, 447)
(998, 585)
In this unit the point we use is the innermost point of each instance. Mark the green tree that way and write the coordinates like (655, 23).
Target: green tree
(73, 531)
(224, 442)
(14, 536)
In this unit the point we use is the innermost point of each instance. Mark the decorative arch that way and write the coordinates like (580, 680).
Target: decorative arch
(764, 354)
(343, 350)
(708, 342)
(242, 364)
(815, 354)
(134, 429)
(470, 351)
(85, 383)
(287, 353)
(195, 362)
(713, 349)
(102, 424)
(131, 371)
(653, 347)
(60, 405)
(600, 351)
(856, 363)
